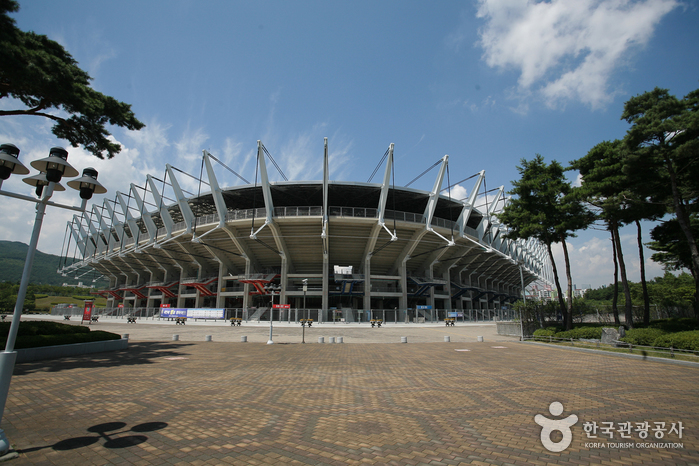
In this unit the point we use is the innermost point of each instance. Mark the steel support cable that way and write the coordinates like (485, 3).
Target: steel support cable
(191, 176)
(393, 175)
(145, 192)
(165, 183)
(229, 169)
(220, 249)
(274, 162)
(64, 248)
(267, 245)
(379, 165)
(486, 192)
(430, 251)
(458, 182)
(254, 198)
(201, 175)
(423, 173)
(450, 204)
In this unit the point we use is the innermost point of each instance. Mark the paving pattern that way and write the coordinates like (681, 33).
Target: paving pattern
(219, 403)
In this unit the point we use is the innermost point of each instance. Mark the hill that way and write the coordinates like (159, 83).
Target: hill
(13, 255)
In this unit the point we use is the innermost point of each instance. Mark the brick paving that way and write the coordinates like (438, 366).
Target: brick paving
(220, 403)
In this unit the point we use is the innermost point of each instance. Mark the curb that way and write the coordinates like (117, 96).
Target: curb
(612, 353)
(75, 349)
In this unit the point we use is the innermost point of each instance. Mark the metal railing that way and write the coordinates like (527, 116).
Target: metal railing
(616, 346)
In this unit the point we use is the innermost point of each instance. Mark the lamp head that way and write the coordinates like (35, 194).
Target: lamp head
(55, 165)
(9, 162)
(87, 184)
(39, 181)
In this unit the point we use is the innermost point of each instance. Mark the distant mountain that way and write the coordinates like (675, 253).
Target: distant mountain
(13, 255)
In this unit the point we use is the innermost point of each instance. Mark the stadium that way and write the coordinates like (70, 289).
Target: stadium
(285, 250)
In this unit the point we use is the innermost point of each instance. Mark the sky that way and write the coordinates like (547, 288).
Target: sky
(488, 82)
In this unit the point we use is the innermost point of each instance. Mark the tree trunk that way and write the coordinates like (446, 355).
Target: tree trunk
(559, 290)
(628, 305)
(683, 220)
(644, 285)
(569, 321)
(615, 296)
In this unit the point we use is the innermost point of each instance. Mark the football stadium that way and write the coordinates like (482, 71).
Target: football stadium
(288, 250)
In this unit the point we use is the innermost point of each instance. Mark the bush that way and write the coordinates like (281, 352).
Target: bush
(35, 341)
(42, 327)
(675, 324)
(680, 340)
(643, 336)
(545, 332)
(581, 332)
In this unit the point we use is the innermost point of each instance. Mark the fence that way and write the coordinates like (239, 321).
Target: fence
(318, 315)
(620, 347)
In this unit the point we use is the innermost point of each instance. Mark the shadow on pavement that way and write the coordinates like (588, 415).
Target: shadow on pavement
(112, 440)
(137, 353)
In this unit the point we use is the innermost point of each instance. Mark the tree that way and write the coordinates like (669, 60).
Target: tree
(607, 188)
(672, 250)
(44, 77)
(663, 144)
(545, 210)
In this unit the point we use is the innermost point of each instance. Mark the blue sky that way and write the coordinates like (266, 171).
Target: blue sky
(488, 82)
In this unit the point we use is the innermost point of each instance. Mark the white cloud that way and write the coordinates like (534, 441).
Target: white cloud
(566, 50)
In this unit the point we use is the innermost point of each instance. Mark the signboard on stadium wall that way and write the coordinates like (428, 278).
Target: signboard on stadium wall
(173, 312)
(206, 313)
(193, 313)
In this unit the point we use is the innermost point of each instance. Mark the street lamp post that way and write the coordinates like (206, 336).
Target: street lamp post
(52, 169)
(303, 324)
(272, 289)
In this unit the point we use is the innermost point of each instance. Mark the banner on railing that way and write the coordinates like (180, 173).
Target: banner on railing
(206, 313)
(173, 312)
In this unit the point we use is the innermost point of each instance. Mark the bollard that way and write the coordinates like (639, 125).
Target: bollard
(175, 338)
(403, 339)
(447, 338)
(243, 338)
(339, 339)
(331, 340)
(125, 336)
(207, 338)
(321, 339)
(480, 338)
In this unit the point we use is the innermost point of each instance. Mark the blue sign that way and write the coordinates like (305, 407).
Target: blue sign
(173, 312)
(424, 307)
(456, 314)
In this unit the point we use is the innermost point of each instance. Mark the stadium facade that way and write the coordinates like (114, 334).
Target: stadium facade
(356, 246)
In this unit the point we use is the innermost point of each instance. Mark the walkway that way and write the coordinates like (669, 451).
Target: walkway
(218, 403)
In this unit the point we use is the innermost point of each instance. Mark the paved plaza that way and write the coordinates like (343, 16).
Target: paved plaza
(191, 402)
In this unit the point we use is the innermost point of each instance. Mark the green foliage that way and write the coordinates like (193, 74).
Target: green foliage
(581, 332)
(543, 208)
(42, 327)
(642, 336)
(41, 74)
(12, 257)
(672, 294)
(670, 244)
(35, 341)
(680, 340)
(675, 325)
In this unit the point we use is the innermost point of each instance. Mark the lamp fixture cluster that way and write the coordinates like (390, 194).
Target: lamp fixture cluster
(51, 170)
